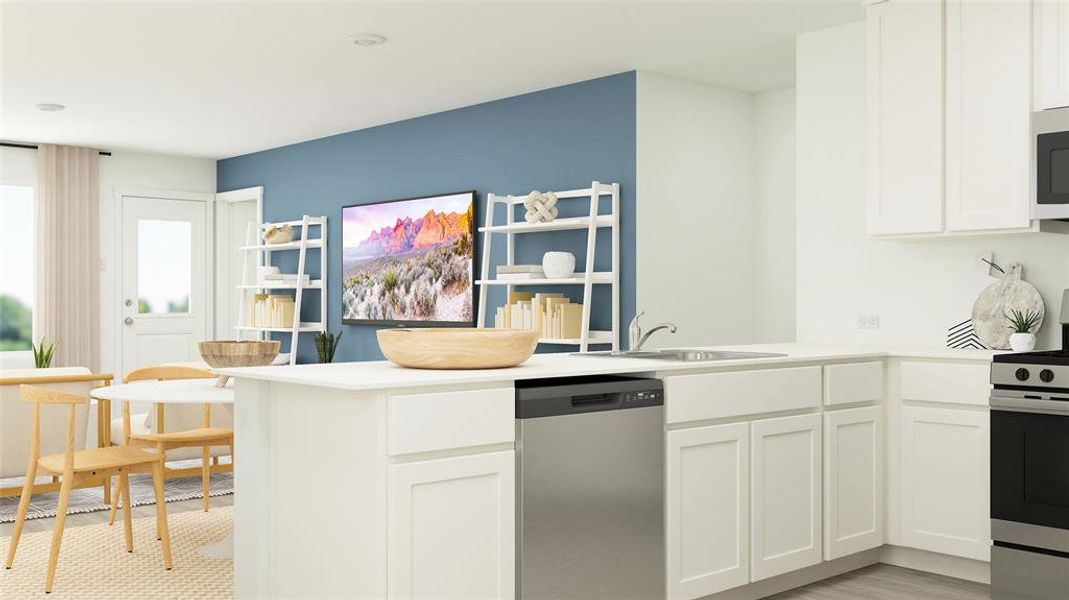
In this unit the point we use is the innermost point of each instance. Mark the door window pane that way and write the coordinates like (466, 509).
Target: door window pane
(16, 267)
(164, 266)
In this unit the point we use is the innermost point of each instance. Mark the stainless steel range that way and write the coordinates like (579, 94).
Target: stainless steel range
(1030, 473)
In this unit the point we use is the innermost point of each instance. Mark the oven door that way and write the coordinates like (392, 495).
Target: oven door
(1030, 459)
(1052, 176)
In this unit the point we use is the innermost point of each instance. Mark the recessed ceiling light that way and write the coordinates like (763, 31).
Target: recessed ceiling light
(49, 107)
(368, 39)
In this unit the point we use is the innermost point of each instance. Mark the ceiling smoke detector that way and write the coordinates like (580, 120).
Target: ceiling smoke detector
(368, 39)
(49, 107)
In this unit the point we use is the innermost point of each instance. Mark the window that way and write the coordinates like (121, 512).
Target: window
(16, 267)
(164, 266)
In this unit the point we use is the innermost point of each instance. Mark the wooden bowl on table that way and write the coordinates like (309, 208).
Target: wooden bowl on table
(456, 347)
(224, 354)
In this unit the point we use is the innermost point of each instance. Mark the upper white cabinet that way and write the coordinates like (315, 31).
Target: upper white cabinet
(978, 179)
(945, 490)
(785, 484)
(1051, 54)
(905, 117)
(707, 509)
(452, 527)
(988, 114)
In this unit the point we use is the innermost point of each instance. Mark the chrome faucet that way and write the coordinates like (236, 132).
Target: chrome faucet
(636, 338)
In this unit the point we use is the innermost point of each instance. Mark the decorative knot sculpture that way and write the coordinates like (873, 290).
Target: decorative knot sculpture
(541, 208)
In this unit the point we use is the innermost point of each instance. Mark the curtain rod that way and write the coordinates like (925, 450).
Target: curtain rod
(34, 147)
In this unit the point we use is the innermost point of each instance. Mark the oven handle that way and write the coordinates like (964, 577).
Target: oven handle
(1029, 405)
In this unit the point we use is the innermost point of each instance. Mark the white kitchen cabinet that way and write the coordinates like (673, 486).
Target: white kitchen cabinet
(451, 527)
(988, 114)
(785, 491)
(905, 117)
(853, 481)
(1051, 54)
(707, 509)
(944, 492)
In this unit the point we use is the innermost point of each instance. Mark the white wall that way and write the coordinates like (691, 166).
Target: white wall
(123, 171)
(774, 254)
(916, 287)
(695, 212)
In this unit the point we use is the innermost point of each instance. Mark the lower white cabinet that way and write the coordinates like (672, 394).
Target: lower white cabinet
(707, 509)
(451, 527)
(853, 481)
(944, 488)
(785, 483)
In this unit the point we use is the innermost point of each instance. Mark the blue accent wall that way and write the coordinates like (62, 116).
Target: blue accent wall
(555, 139)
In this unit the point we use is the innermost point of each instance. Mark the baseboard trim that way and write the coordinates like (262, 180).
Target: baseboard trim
(941, 564)
(794, 579)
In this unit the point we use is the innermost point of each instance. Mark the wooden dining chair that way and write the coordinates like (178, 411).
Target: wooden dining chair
(204, 437)
(76, 466)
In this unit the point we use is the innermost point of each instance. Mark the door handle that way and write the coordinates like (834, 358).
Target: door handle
(128, 320)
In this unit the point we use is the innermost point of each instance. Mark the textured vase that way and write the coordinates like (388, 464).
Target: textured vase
(1023, 342)
(558, 265)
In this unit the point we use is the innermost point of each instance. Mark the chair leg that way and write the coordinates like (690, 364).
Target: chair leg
(114, 503)
(20, 518)
(163, 461)
(205, 474)
(128, 525)
(161, 513)
(57, 531)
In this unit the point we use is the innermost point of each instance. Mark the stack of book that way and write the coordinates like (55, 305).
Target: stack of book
(270, 310)
(271, 278)
(551, 315)
(520, 272)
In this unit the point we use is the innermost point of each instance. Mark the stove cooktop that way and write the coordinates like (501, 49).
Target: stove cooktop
(1045, 357)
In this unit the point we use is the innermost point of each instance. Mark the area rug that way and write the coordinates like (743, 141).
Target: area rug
(94, 565)
(89, 500)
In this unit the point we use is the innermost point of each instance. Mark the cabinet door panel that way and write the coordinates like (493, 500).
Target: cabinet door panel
(452, 528)
(707, 510)
(988, 129)
(785, 482)
(853, 481)
(945, 489)
(1052, 54)
(905, 118)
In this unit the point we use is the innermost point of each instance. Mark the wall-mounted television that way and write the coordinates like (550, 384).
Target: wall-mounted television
(409, 261)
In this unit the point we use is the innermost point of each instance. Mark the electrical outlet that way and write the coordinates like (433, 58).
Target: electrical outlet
(868, 321)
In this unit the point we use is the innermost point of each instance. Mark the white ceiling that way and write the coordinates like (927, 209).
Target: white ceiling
(222, 79)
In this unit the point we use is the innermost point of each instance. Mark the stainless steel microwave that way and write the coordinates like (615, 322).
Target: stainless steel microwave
(1051, 129)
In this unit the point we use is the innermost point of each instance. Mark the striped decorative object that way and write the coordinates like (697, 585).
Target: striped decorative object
(963, 335)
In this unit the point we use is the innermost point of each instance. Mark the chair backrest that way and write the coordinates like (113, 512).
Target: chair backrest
(167, 372)
(178, 417)
(39, 396)
(16, 416)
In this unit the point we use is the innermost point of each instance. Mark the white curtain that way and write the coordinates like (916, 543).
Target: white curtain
(67, 289)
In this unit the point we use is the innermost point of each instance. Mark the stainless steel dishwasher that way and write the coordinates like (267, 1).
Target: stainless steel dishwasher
(590, 488)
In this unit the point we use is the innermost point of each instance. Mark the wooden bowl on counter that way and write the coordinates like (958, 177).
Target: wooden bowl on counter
(224, 354)
(456, 347)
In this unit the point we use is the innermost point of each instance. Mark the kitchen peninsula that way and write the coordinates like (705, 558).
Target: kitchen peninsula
(370, 480)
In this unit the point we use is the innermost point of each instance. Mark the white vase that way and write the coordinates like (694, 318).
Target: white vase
(1023, 342)
(558, 265)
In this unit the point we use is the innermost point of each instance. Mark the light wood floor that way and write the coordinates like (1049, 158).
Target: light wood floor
(149, 510)
(884, 582)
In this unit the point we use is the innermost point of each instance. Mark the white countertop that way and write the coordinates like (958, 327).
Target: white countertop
(376, 375)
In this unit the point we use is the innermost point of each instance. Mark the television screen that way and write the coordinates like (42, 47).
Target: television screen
(409, 261)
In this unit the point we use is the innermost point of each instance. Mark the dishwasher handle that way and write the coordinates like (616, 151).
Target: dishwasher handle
(596, 400)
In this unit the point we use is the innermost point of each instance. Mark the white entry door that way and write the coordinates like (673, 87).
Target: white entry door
(165, 273)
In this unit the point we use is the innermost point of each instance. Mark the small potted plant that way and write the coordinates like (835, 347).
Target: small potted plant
(43, 353)
(1023, 325)
(326, 344)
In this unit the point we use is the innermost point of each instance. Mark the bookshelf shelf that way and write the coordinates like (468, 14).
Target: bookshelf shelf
(593, 221)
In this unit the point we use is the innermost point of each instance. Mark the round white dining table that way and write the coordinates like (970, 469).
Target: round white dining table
(177, 391)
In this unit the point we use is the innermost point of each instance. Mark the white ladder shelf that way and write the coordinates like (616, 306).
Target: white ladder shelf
(587, 278)
(251, 283)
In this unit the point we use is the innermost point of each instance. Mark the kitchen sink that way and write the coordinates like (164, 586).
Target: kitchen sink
(686, 354)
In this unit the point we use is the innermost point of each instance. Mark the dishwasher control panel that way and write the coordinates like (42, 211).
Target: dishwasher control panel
(645, 398)
(576, 395)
